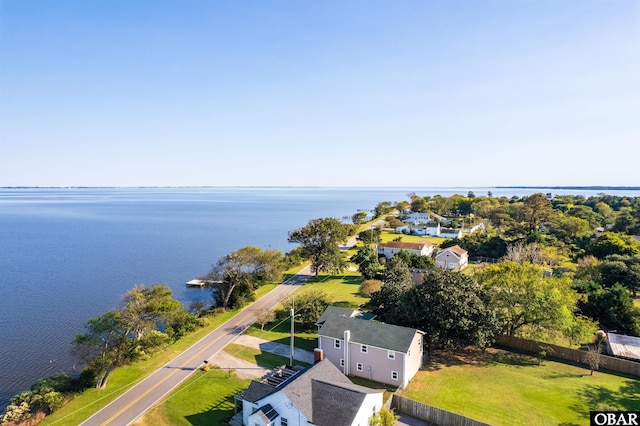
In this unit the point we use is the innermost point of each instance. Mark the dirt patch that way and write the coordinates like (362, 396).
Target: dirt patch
(243, 369)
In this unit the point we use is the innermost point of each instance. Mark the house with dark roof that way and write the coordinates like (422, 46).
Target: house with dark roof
(450, 233)
(336, 311)
(452, 258)
(373, 350)
(421, 248)
(320, 395)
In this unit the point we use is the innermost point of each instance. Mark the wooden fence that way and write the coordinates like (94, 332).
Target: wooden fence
(429, 414)
(531, 346)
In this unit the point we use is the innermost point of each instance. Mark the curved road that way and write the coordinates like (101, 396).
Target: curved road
(133, 403)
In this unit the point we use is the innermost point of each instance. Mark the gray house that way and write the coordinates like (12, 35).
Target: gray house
(376, 351)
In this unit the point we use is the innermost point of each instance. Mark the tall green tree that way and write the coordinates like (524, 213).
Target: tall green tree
(239, 273)
(526, 302)
(359, 218)
(451, 308)
(613, 308)
(320, 242)
(396, 278)
(369, 236)
(146, 319)
(308, 305)
(383, 207)
(536, 210)
(367, 260)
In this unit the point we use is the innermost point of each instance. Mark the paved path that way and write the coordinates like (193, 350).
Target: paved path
(133, 403)
(275, 348)
(353, 240)
(244, 369)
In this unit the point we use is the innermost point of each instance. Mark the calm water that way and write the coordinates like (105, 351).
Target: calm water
(70, 254)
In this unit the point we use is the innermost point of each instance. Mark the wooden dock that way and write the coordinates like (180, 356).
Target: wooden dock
(200, 283)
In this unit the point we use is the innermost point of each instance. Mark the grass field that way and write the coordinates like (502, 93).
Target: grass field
(343, 289)
(205, 398)
(389, 235)
(256, 356)
(280, 332)
(503, 388)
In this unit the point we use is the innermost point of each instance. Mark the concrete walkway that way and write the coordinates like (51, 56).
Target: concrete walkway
(244, 369)
(275, 348)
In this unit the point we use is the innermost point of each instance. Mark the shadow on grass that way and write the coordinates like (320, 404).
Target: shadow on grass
(305, 343)
(218, 413)
(474, 356)
(269, 360)
(594, 397)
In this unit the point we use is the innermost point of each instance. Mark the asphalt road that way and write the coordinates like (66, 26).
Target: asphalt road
(132, 404)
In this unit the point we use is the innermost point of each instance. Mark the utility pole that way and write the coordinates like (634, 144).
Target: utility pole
(292, 313)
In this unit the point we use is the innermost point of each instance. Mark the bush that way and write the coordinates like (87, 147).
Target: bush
(369, 286)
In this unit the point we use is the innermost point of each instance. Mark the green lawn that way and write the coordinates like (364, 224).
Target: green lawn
(503, 388)
(389, 235)
(205, 398)
(256, 356)
(280, 331)
(343, 289)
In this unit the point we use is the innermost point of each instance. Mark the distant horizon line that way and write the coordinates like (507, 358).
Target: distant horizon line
(581, 187)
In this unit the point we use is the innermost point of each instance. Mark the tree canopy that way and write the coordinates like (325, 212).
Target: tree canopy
(239, 273)
(525, 301)
(146, 319)
(320, 243)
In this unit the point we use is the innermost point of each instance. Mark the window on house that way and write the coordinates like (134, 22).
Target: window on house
(359, 366)
(363, 349)
(394, 375)
(391, 355)
(341, 362)
(336, 344)
(284, 422)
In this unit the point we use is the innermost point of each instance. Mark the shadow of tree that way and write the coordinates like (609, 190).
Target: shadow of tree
(219, 412)
(594, 397)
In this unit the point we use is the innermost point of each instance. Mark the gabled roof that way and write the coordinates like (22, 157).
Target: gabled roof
(336, 404)
(335, 311)
(267, 413)
(371, 333)
(456, 250)
(299, 390)
(406, 246)
(321, 393)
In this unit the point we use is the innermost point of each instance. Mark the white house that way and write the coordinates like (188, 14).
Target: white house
(450, 233)
(452, 258)
(431, 229)
(404, 229)
(418, 218)
(421, 248)
(320, 395)
(373, 350)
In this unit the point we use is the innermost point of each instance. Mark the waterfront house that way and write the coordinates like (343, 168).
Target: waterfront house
(319, 395)
(373, 350)
(452, 258)
(421, 248)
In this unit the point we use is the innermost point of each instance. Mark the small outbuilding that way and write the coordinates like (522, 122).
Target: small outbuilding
(622, 346)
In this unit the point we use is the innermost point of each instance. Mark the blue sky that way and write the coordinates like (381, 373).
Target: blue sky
(329, 93)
